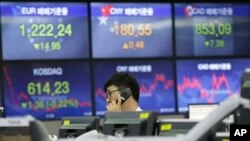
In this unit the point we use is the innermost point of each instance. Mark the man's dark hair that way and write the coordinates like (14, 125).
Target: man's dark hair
(124, 80)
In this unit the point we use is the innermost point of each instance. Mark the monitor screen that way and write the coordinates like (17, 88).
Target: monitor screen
(212, 29)
(208, 81)
(47, 90)
(174, 126)
(125, 30)
(44, 30)
(242, 114)
(121, 124)
(200, 111)
(73, 127)
(15, 133)
(155, 80)
(23, 129)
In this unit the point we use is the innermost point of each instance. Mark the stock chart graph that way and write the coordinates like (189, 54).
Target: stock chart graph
(208, 81)
(155, 80)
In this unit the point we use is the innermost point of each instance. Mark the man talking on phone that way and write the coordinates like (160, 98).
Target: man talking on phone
(122, 91)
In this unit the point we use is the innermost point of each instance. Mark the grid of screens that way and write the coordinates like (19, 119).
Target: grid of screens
(57, 56)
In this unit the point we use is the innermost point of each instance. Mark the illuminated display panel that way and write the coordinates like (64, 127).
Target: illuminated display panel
(154, 77)
(212, 29)
(47, 90)
(44, 30)
(123, 30)
(208, 81)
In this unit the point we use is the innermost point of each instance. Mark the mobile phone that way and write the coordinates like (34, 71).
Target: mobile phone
(125, 94)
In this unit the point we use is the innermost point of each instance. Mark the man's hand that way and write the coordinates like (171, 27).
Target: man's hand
(113, 106)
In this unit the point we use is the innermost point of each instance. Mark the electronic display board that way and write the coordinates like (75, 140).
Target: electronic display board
(127, 30)
(212, 29)
(155, 80)
(47, 90)
(44, 30)
(208, 81)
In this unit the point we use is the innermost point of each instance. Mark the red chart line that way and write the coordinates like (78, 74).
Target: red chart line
(158, 78)
(216, 84)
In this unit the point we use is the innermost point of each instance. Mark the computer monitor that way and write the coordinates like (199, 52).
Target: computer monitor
(140, 123)
(242, 115)
(73, 127)
(200, 111)
(23, 129)
(174, 127)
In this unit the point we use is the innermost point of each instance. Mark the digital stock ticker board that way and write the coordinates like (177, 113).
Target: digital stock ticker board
(48, 90)
(155, 80)
(126, 30)
(44, 30)
(57, 56)
(212, 29)
(208, 80)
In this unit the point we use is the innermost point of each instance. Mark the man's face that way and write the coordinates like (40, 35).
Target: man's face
(113, 93)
